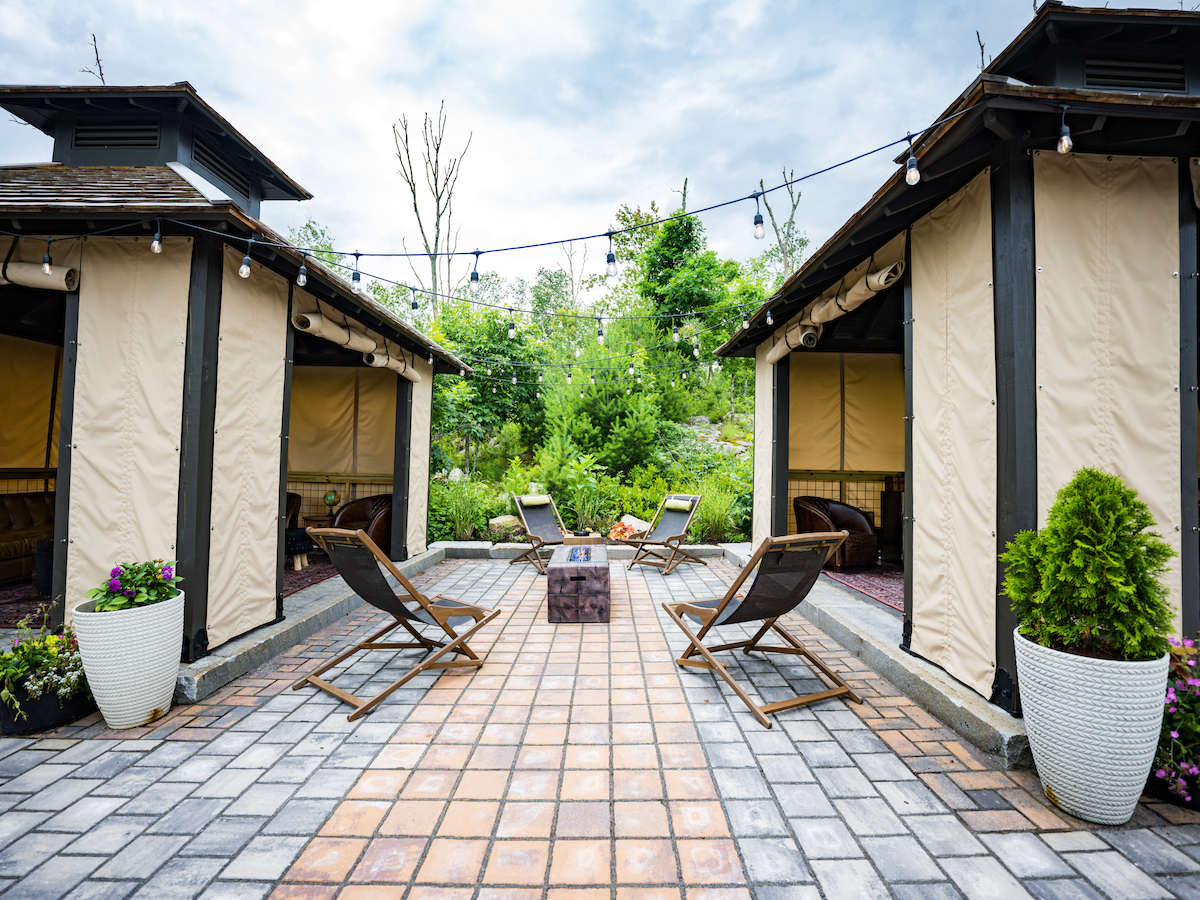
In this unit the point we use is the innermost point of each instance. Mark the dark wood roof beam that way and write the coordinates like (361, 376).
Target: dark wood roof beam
(1158, 34)
(1051, 33)
(1096, 35)
(1097, 126)
(998, 124)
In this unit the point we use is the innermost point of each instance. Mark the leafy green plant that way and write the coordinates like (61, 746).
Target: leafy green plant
(41, 663)
(1090, 581)
(1177, 760)
(714, 517)
(467, 504)
(131, 585)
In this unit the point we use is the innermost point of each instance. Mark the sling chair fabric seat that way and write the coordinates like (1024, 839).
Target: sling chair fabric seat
(661, 544)
(358, 560)
(784, 569)
(544, 527)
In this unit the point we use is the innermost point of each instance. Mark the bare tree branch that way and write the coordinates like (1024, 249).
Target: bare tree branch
(99, 71)
(794, 196)
(980, 41)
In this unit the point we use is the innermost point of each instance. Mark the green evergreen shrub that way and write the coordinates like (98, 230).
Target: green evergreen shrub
(1089, 582)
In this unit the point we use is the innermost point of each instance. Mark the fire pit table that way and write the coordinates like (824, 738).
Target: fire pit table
(577, 584)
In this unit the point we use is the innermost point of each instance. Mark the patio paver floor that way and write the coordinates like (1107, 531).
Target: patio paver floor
(578, 762)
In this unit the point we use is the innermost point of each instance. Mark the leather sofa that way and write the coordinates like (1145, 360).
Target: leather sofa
(372, 514)
(24, 520)
(861, 548)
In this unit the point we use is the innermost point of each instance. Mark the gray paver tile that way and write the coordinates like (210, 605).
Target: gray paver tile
(258, 756)
(787, 892)
(719, 732)
(351, 756)
(328, 783)
(911, 798)
(869, 816)
(291, 770)
(1185, 887)
(727, 756)
(826, 839)
(881, 766)
(84, 814)
(223, 837)
(139, 745)
(190, 816)
(944, 836)
(1026, 856)
(110, 835)
(803, 801)
(108, 765)
(1150, 853)
(131, 782)
(236, 890)
(171, 753)
(1062, 889)
(15, 824)
(36, 778)
(372, 732)
(773, 860)
(1116, 876)
(158, 799)
(1067, 841)
(785, 769)
(142, 857)
(1179, 835)
(740, 784)
(763, 743)
(262, 800)
(265, 858)
(845, 782)
(860, 742)
(317, 745)
(301, 817)
(228, 783)
(55, 877)
(103, 890)
(84, 752)
(61, 794)
(749, 818)
(259, 721)
(231, 743)
(901, 859)
(23, 760)
(983, 878)
(197, 769)
(940, 890)
(24, 855)
(849, 878)
(287, 732)
(824, 753)
(180, 879)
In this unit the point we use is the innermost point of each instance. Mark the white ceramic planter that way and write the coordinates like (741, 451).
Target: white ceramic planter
(131, 659)
(1093, 726)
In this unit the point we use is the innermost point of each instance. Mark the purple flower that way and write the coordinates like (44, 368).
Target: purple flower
(114, 585)
(116, 572)
(1175, 735)
(168, 572)
(1161, 773)
(130, 592)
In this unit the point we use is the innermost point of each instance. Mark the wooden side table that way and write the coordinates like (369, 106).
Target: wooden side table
(318, 521)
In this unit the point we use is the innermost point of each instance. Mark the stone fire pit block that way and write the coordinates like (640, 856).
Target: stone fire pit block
(577, 584)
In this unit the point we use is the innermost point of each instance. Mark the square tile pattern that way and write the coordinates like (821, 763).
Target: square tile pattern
(578, 762)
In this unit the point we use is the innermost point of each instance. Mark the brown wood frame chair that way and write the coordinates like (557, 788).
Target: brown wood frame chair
(785, 569)
(545, 529)
(358, 559)
(667, 531)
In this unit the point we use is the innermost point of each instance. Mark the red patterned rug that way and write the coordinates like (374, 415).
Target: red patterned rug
(883, 583)
(318, 569)
(18, 601)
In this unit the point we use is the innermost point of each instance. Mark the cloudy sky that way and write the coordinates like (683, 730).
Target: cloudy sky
(572, 108)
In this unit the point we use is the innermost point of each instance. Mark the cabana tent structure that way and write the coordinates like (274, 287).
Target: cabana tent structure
(166, 401)
(1044, 320)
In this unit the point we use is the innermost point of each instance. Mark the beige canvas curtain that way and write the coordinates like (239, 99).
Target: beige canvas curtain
(846, 411)
(30, 392)
(133, 309)
(343, 419)
(760, 521)
(954, 437)
(245, 480)
(1108, 329)
(418, 460)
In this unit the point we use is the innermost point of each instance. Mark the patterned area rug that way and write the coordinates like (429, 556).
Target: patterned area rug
(318, 569)
(883, 583)
(18, 601)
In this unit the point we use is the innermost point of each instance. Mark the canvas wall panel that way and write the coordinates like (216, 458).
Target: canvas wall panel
(1108, 329)
(245, 481)
(133, 307)
(376, 442)
(760, 523)
(815, 410)
(342, 419)
(30, 387)
(418, 460)
(954, 437)
(874, 412)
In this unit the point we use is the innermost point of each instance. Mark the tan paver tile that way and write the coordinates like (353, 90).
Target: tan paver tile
(580, 862)
(583, 819)
(1039, 814)
(540, 757)
(379, 784)
(326, 859)
(995, 820)
(469, 818)
(445, 756)
(685, 784)
(398, 756)
(713, 861)
(526, 820)
(429, 785)
(979, 781)
(633, 733)
(496, 756)
(542, 733)
(480, 784)
(389, 859)
(536, 785)
(416, 817)
(517, 862)
(698, 818)
(459, 733)
(646, 862)
(583, 784)
(508, 893)
(634, 756)
(423, 892)
(711, 893)
(303, 892)
(638, 784)
(640, 819)
(573, 893)
(452, 861)
(355, 818)
(682, 756)
(591, 757)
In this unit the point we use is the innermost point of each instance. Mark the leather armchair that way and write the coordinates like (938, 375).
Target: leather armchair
(293, 510)
(861, 548)
(373, 515)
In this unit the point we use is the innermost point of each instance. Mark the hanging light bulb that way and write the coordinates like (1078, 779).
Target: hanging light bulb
(593, 379)
(356, 278)
(759, 231)
(462, 371)
(628, 391)
(489, 369)
(493, 389)
(672, 381)
(696, 350)
(414, 299)
(431, 357)
(539, 393)
(911, 174)
(475, 274)
(568, 376)
(581, 393)
(156, 244)
(770, 318)
(244, 270)
(611, 259)
(683, 374)
(512, 326)
(47, 262)
(1065, 144)
(631, 368)
(745, 320)
(600, 330)
(539, 377)
(674, 330)
(302, 272)
(514, 378)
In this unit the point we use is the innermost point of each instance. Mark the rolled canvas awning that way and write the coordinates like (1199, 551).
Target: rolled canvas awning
(319, 326)
(21, 264)
(398, 363)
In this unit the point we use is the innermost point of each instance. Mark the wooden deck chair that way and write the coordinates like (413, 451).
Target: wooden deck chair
(358, 559)
(544, 526)
(787, 568)
(661, 545)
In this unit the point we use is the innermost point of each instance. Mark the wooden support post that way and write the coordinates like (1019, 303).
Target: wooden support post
(288, 352)
(62, 479)
(1189, 394)
(400, 470)
(780, 409)
(907, 530)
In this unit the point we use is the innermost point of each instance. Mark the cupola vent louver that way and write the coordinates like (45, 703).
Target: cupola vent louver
(206, 156)
(1150, 76)
(123, 135)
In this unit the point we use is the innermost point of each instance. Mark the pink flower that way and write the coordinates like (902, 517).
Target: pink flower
(1175, 735)
(1161, 773)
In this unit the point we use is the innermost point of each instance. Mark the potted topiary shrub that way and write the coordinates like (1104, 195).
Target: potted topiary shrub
(130, 634)
(42, 685)
(1092, 644)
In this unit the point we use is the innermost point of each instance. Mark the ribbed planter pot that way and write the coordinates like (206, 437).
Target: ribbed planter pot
(1093, 726)
(131, 659)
